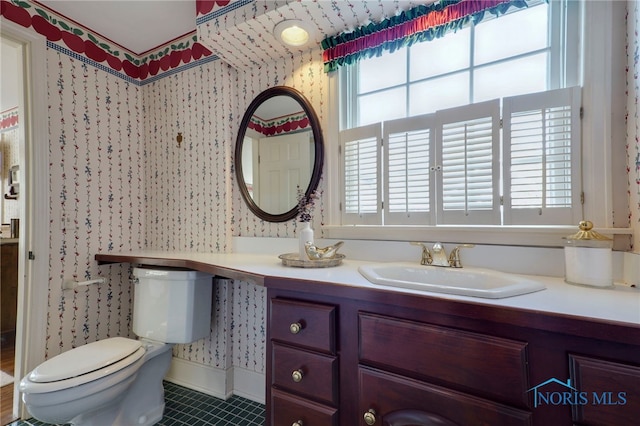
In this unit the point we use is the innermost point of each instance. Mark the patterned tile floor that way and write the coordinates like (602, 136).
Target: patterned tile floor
(186, 407)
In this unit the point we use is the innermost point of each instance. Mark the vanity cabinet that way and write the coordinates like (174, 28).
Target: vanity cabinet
(413, 366)
(386, 358)
(303, 363)
(609, 391)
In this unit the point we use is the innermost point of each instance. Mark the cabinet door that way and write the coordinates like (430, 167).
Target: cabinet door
(485, 365)
(9, 280)
(382, 394)
(287, 410)
(311, 325)
(610, 392)
(306, 373)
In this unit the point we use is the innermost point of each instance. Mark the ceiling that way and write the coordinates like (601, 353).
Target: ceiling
(138, 25)
(143, 25)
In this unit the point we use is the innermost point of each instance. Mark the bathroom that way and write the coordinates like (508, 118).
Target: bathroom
(118, 181)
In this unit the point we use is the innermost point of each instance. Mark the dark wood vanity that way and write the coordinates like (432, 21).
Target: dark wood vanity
(339, 352)
(340, 355)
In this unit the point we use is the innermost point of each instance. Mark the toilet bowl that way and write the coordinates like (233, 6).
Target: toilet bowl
(118, 381)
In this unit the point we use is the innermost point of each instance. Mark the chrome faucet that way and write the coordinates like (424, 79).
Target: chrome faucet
(437, 256)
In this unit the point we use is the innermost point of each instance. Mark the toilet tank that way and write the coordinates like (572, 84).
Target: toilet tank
(172, 306)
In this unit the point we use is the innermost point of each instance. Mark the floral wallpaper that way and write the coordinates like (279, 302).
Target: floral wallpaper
(189, 201)
(188, 194)
(633, 116)
(119, 181)
(96, 201)
(192, 200)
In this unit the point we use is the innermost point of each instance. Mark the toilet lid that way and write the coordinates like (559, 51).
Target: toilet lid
(85, 359)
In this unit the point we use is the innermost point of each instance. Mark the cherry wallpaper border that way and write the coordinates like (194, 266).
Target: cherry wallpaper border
(9, 119)
(205, 8)
(71, 38)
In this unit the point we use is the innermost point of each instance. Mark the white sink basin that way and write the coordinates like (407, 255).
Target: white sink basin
(474, 282)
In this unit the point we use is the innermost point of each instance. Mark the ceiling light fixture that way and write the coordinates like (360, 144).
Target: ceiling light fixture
(293, 32)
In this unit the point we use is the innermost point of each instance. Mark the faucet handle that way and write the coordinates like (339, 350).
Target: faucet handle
(454, 256)
(426, 259)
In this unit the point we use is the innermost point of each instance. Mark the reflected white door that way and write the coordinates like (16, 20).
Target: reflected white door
(285, 164)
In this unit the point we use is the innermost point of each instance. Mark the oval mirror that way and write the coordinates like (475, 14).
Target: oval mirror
(278, 150)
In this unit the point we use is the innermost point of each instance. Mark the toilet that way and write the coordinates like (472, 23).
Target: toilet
(118, 381)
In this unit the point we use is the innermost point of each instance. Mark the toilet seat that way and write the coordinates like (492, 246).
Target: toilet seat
(84, 364)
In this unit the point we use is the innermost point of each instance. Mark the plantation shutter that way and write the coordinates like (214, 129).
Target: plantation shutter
(467, 164)
(542, 158)
(361, 171)
(409, 148)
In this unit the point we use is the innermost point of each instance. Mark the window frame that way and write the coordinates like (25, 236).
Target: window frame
(602, 76)
(564, 67)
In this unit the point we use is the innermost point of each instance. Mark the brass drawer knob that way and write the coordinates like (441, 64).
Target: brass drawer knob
(298, 423)
(297, 376)
(370, 417)
(295, 328)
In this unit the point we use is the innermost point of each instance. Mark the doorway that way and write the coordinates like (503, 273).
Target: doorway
(25, 182)
(11, 141)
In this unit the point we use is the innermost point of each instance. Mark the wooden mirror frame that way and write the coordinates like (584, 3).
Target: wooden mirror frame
(318, 144)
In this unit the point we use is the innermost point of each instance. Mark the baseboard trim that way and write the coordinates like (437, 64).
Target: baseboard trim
(217, 382)
(249, 384)
(209, 380)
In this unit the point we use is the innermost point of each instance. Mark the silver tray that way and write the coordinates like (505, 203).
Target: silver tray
(293, 259)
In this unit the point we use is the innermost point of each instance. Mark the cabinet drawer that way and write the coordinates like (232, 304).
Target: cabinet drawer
(609, 391)
(386, 393)
(318, 373)
(311, 325)
(476, 363)
(287, 409)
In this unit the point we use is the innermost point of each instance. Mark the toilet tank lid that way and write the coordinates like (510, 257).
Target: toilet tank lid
(84, 359)
(169, 274)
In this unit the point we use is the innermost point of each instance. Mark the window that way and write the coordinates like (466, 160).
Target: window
(469, 129)
(459, 167)
(475, 64)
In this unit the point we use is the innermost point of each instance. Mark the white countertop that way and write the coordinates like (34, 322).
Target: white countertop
(620, 303)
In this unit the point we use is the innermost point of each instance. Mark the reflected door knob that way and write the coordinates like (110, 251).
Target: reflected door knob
(370, 417)
(298, 423)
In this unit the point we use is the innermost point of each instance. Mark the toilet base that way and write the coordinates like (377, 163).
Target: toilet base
(148, 391)
(137, 400)
(143, 403)
(110, 416)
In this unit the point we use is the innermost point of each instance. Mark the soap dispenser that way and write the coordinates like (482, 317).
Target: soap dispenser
(588, 257)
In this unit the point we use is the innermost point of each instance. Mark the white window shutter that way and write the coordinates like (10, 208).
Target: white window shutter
(542, 158)
(469, 157)
(361, 173)
(408, 153)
